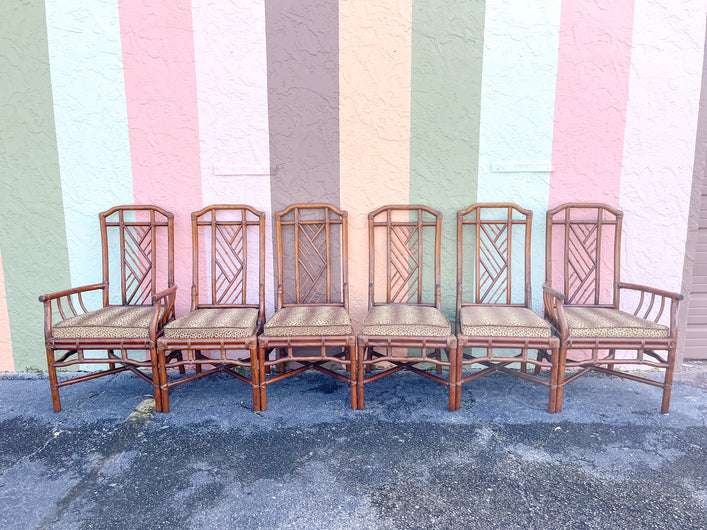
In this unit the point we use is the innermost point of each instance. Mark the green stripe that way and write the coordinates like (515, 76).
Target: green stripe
(447, 51)
(32, 233)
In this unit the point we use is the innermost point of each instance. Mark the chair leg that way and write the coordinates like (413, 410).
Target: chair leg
(460, 375)
(156, 379)
(111, 366)
(561, 360)
(53, 383)
(438, 367)
(537, 369)
(360, 354)
(197, 366)
(353, 373)
(255, 377)
(164, 382)
(453, 357)
(263, 401)
(668, 383)
(552, 399)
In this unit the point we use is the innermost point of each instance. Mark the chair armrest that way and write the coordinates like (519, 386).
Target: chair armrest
(646, 306)
(65, 296)
(69, 292)
(553, 309)
(650, 290)
(162, 316)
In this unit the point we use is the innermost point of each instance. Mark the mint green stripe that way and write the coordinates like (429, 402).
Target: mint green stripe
(447, 50)
(32, 233)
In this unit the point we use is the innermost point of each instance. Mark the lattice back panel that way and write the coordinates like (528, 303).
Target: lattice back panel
(137, 244)
(403, 252)
(494, 265)
(310, 263)
(584, 258)
(227, 251)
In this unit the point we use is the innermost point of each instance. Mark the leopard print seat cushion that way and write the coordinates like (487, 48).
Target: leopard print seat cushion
(406, 321)
(112, 322)
(500, 321)
(214, 323)
(309, 321)
(610, 323)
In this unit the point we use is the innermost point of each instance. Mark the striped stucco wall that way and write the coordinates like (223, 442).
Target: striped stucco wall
(359, 104)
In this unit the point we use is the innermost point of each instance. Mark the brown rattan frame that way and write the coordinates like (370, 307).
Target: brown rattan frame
(587, 229)
(316, 222)
(410, 290)
(137, 258)
(493, 278)
(228, 247)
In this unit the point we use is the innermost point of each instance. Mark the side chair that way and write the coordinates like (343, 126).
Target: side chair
(499, 315)
(583, 300)
(228, 301)
(137, 245)
(311, 325)
(404, 306)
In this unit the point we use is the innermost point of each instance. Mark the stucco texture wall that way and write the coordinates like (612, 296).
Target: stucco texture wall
(358, 104)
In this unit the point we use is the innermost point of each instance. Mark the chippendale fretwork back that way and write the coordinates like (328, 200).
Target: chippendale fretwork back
(312, 255)
(228, 241)
(494, 231)
(402, 240)
(583, 252)
(139, 235)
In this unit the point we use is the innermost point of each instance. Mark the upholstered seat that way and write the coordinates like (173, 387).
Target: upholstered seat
(502, 321)
(112, 322)
(214, 323)
(610, 323)
(309, 321)
(406, 321)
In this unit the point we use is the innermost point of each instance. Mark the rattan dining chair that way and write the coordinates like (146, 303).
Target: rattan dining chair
(495, 323)
(138, 254)
(404, 311)
(311, 326)
(228, 301)
(583, 298)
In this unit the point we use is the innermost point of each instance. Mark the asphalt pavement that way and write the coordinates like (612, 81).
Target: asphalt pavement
(108, 460)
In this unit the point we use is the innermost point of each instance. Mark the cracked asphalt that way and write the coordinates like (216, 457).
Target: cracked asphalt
(609, 460)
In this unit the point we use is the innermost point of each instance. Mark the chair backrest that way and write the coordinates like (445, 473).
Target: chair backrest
(403, 242)
(312, 255)
(494, 231)
(228, 241)
(583, 253)
(137, 243)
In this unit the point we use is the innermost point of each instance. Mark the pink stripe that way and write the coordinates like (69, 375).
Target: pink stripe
(590, 102)
(6, 360)
(160, 86)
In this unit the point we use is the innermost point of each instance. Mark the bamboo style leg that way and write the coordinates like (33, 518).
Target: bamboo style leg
(255, 377)
(561, 360)
(156, 379)
(263, 401)
(360, 355)
(164, 383)
(668, 383)
(53, 383)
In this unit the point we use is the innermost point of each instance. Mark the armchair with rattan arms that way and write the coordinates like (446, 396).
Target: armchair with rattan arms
(311, 327)
(584, 298)
(498, 326)
(405, 327)
(137, 245)
(228, 301)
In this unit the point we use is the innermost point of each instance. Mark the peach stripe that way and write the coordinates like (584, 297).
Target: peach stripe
(6, 360)
(591, 97)
(375, 40)
(160, 87)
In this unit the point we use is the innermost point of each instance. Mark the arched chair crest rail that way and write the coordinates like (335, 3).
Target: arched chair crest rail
(404, 301)
(228, 300)
(583, 297)
(311, 326)
(137, 245)
(494, 302)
